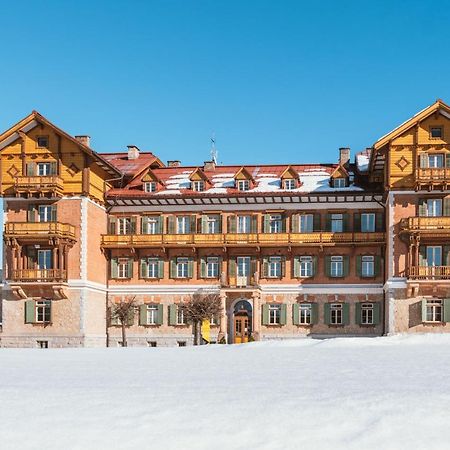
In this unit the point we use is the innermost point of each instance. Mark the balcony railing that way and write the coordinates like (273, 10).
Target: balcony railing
(39, 230)
(428, 225)
(46, 184)
(433, 174)
(39, 275)
(429, 273)
(262, 239)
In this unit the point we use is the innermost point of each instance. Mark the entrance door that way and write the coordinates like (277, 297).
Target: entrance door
(241, 327)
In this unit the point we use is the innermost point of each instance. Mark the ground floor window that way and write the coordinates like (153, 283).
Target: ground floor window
(304, 313)
(181, 343)
(433, 310)
(152, 314)
(367, 314)
(152, 343)
(181, 319)
(274, 314)
(42, 344)
(336, 314)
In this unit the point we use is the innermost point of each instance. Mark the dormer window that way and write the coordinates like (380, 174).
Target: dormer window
(198, 186)
(339, 182)
(150, 186)
(436, 133)
(289, 184)
(243, 185)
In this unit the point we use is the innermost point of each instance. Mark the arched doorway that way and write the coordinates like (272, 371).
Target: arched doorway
(242, 321)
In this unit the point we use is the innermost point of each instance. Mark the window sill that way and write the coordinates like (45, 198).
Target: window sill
(433, 324)
(274, 325)
(150, 325)
(367, 325)
(336, 325)
(304, 325)
(40, 324)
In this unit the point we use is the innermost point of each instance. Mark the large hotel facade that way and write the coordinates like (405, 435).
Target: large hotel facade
(355, 248)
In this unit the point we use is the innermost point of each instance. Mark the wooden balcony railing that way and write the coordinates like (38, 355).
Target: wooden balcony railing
(47, 184)
(433, 174)
(429, 273)
(39, 275)
(427, 225)
(263, 239)
(39, 230)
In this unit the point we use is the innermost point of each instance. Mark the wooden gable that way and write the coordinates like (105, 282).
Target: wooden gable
(289, 173)
(339, 172)
(243, 174)
(198, 175)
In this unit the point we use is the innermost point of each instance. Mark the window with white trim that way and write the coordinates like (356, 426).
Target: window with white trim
(306, 266)
(181, 319)
(274, 267)
(274, 314)
(243, 185)
(244, 224)
(152, 314)
(367, 222)
(44, 259)
(183, 224)
(337, 266)
(44, 169)
(434, 256)
(150, 186)
(45, 213)
(336, 314)
(43, 311)
(306, 223)
(152, 268)
(367, 311)
(212, 267)
(434, 310)
(123, 269)
(182, 267)
(276, 223)
(150, 225)
(368, 266)
(213, 224)
(124, 225)
(289, 184)
(337, 223)
(436, 160)
(304, 313)
(434, 207)
(339, 182)
(198, 186)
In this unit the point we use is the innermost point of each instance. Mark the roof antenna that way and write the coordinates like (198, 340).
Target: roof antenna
(214, 151)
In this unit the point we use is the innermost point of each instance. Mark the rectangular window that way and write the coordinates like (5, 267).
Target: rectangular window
(152, 314)
(274, 314)
(42, 141)
(276, 224)
(44, 259)
(367, 314)
(306, 223)
(436, 133)
(212, 267)
(183, 224)
(434, 207)
(289, 184)
(434, 310)
(243, 185)
(152, 343)
(150, 186)
(243, 266)
(150, 225)
(339, 182)
(44, 169)
(337, 266)
(182, 267)
(152, 268)
(181, 319)
(43, 311)
(124, 225)
(42, 344)
(367, 222)
(304, 313)
(436, 160)
(212, 224)
(336, 314)
(367, 266)
(337, 223)
(243, 224)
(306, 266)
(123, 270)
(198, 186)
(274, 269)
(45, 213)
(434, 255)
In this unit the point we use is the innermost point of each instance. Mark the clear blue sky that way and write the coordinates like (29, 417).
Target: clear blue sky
(278, 81)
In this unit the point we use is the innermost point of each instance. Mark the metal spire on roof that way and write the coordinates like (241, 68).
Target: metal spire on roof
(214, 151)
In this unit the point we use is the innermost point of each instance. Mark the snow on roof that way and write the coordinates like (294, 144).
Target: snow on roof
(362, 162)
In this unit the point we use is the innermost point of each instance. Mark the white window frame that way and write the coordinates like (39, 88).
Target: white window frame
(337, 223)
(274, 314)
(244, 224)
(337, 266)
(289, 184)
(367, 266)
(150, 186)
(336, 314)
(181, 318)
(151, 225)
(304, 313)
(368, 222)
(434, 252)
(183, 224)
(43, 311)
(274, 267)
(122, 268)
(43, 169)
(436, 160)
(434, 310)
(152, 314)
(339, 182)
(275, 224)
(198, 186)
(243, 264)
(243, 185)
(45, 213)
(213, 224)
(47, 259)
(152, 268)
(212, 267)
(182, 267)
(123, 225)
(367, 314)
(306, 223)
(434, 207)
(306, 266)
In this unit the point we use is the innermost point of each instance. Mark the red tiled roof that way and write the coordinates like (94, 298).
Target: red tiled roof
(130, 167)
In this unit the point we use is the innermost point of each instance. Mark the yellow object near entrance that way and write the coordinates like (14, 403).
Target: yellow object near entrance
(206, 330)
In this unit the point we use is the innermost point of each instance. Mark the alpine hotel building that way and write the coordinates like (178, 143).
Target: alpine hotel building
(355, 248)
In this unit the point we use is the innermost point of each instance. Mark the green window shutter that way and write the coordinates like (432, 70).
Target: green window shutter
(357, 222)
(114, 271)
(346, 266)
(314, 264)
(172, 314)
(422, 207)
(346, 313)
(204, 223)
(283, 266)
(314, 313)
(159, 225)
(112, 225)
(359, 266)
(30, 311)
(294, 223)
(144, 224)
(161, 268)
(328, 266)
(317, 222)
(193, 227)
(423, 162)
(53, 214)
(190, 273)
(133, 225)
(328, 222)
(446, 313)
(232, 267)
(31, 213)
(130, 268)
(143, 314)
(143, 268)
(265, 267)
(231, 228)
(266, 223)
(376, 313)
(358, 313)
(203, 267)
(327, 313)
(31, 169)
(283, 314)
(377, 265)
(424, 310)
(54, 168)
(220, 221)
(159, 319)
(265, 314)
(379, 221)
(283, 223)
(173, 267)
(254, 224)
(447, 160)
(422, 256)
(253, 266)
(295, 314)
(446, 210)
(171, 225)
(345, 222)
(296, 266)
(130, 317)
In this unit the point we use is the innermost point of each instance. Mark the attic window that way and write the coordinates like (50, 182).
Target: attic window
(243, 185)
(339, 182)
(150, 186)
(198, 186)
(289, 184)
(436, 133)
(42, 141)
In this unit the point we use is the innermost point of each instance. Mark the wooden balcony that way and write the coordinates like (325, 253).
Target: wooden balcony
(39, 275)
(33, 232)
(39, 186)
(433, 177)
(429, 273)
(426, 226)
(237, 240)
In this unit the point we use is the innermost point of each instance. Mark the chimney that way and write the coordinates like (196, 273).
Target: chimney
(209, 165)
(133, 152)
(344, 156)
(85, 140)
(174, 163)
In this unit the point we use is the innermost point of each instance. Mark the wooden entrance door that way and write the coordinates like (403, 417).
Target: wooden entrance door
(241, 327)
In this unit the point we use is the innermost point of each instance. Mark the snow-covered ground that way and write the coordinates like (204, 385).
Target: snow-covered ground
(379, 393)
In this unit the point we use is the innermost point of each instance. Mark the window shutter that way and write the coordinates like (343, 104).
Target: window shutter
(423, 160)
(283, 223)
(173, 268)
(328, 266)
(295, 314)
(314, 265)
(266, 223)
(159, 318)
(328, 222)
(316, 222)
(231, 228)
(232, 267)
(31, 213)
(203, 267)
(377, 265)
(359, 266)
(376, 313)
(346, 265)
(446, 210)
(446, 312)
(112, 221)
(294, 223)
(144, 224)
(171, 225)
(327, 314)
(143, 268)
(422, 256)
(358, 313)
(219, 224)
(190, 271)
(265, 267)
(357, 222)
(161, 268)
(130, 317)
(346, 313)
(283, 314)
(254, 224)
(253, 266)
(193, 227)
(265, 314)
(379, 221)
(283, 266)
(143, 314)
(53, 213)
(296, 266)
(422, 207)
(424, 310)
(130, 268)
(159, 225)
(30, 311)
(53, 168)
(204, 223)
(345, 223)
(31, 169)
(133, 225)
(447, 160)
(314, 313)
(114, 271)
(172, 314)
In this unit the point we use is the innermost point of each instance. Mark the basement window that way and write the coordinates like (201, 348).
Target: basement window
(42, 344)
